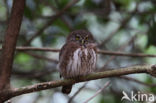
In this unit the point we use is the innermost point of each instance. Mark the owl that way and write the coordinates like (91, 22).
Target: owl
(77, 56)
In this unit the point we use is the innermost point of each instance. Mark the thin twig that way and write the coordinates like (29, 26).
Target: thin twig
(137, 81)
(129, 78)
(120, 48)
(33, 73)
(36, 49)
(56, 10)
(125, 54)
(123, 24)
(42, 57)
(99, 91)
(76, 93)
(104, 52)
(53, 18)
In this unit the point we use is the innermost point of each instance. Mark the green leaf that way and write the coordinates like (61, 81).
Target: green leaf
(152, 34)
(62, 3)
(61, 25)
(124, 2)
(150, 80)
(90, 4)
(22, 58)
(28, 13)
(81, 25)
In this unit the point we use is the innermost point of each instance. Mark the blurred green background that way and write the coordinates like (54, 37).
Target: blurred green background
(117, 25)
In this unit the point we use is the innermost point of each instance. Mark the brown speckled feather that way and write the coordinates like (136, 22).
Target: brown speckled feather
(77, 57)
(66, 52)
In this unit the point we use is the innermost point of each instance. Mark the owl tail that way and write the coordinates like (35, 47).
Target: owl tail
(66, 89)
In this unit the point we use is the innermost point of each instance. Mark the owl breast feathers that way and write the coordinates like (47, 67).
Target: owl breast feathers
(77, 60)
(77, 57)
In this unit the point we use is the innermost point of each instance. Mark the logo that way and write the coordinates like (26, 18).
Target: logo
(140, 97)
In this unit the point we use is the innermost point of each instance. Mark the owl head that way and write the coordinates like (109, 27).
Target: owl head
(82, 37)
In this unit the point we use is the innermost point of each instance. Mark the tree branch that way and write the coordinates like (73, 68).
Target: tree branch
(119, 49)
(137, 81)
(76, 93)
(33, 73)
(53, 18)
(10, 42)
(99, 91)
(36, 49)
(42, 57)
(150, 69)
(123, 24)
(105, 52)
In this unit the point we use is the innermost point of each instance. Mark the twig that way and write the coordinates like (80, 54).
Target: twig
(100, 90)
(150, 69)
(120, 48)
(125, 54)
(76, 93)
(33, 74)
(105, 52)
(137, 81)
(129, 78)
(55, 9)
(36, 49)
(53, 18)
(123, 24)
(42, 57)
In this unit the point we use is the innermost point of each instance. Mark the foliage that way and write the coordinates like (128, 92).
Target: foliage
(101, 17)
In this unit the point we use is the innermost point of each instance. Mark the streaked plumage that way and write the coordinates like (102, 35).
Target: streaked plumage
(77, 56)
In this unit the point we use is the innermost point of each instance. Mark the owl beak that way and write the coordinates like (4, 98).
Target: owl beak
(82, 41)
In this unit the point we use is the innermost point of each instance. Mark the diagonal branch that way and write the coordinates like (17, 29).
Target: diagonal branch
(99, 91)
(9, 44)
(150, 69)
(137, 81)
(53, 18)
(123, 24)
(42, 57)
(76, 93)
(33, 73)
(120, 49)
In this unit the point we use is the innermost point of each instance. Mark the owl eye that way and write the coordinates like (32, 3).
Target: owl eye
(86, 38)
(77, 38)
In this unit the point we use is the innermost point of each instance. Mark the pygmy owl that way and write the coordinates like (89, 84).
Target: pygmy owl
(77, 57)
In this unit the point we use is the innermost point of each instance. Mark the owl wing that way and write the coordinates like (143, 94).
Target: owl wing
(68, 49)
(62, 51)
(66, 52)
(93, 46)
